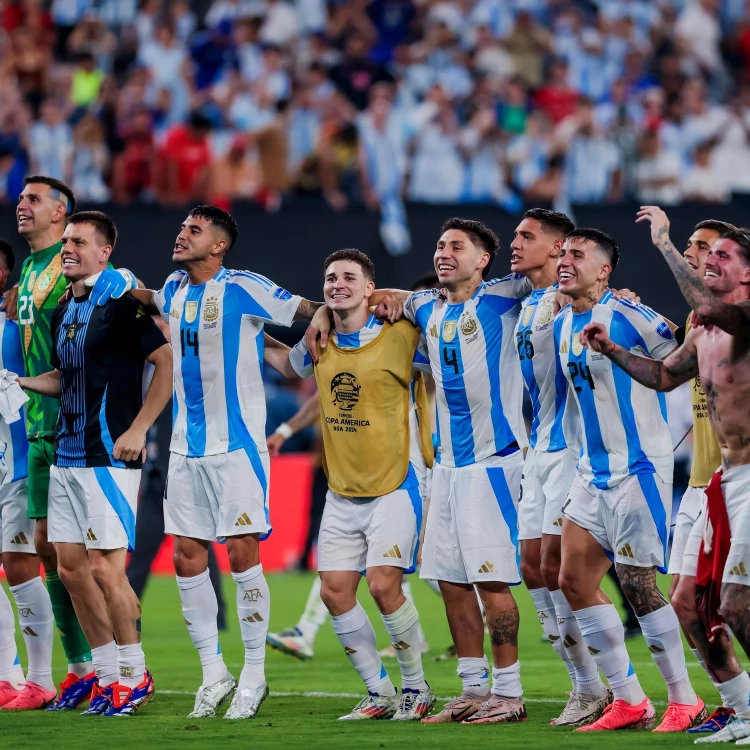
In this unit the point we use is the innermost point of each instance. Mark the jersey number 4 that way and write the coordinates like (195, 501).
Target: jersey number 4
(188, 340)
(579, 369)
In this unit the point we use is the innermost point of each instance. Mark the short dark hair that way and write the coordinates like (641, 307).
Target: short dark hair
(219, 218)
(552, 222)
(6, 250)
(722, 227)
(602, 240)
(428, 281)
(356, 256)
(104, 226)
(480, 235)
(742, 238)
(54, 184)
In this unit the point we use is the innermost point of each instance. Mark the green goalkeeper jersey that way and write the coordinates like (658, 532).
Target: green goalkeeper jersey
(39, 289)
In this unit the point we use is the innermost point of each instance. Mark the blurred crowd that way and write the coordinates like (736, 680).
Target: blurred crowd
(376, 101)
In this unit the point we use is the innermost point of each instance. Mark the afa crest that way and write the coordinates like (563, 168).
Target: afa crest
(468, 324)
(191, 311)
(545, 313)
(211, 309)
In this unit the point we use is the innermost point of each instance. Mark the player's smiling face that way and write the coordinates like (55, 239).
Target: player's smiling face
(36, 209)
(531, 247)
(726, 267)
(198, 240)
(346, 287)
(697, 248)
(457, 259)
(84, 252)
(581, 267)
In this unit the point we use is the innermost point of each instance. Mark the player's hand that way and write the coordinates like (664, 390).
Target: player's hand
(390, 309)
(319, 328)
(130, 445)
(9, 305)
(274, 443)
(625, 294)
(109, 284)
(594, 336)
(658, 220)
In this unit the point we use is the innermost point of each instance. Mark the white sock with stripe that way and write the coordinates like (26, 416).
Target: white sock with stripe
(661, 631)
(545, 611)
(199, 610)
(406, 589)
(9, 664)
(403, 628)
(604, 635)
(37, 625)
(356, 635)
(254, 610)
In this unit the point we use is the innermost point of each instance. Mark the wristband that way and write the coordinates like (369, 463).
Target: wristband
(284, 430)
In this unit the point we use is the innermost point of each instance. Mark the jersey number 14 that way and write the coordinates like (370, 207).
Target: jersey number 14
(188, 340)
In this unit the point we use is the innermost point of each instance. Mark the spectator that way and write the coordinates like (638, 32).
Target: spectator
(247, 48)
(514, 108)
(528, 154)
(704, 182)
(491, 58)
(51, 143)
(230, 10)
(528, 44)
(92, 36)
(334, 167)
(236, 175)
(213, 54)
(183, 19)
(280, 25)
(87, 81)
(145, 21)
(29, 63)
(184, 163)
(556, 97)
(393, 20)
(12, 172)
(357, 74)
(657, 172)
(699, 32)
(66, 14)
(90, 161)
(132, 176)
(732, 154)
(273, 150)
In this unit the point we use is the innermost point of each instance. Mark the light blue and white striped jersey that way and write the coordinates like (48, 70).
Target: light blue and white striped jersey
(475, 367)
(14, 447)
(553, 426)
(623, 424)
(216, 328)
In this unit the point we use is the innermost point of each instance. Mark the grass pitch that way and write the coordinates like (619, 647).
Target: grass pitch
(307, 697)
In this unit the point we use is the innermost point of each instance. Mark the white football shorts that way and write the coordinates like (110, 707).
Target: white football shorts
(691, 508)
(735, 485)
(546, 482)
(472, 527)
(360, 533)
(16, 528)
(213, 497)
(95, 506)
(630, 520)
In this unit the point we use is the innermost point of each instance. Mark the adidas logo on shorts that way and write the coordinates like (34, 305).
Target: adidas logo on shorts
(349, 651)
(19, 538)
(393, 552)
(739, 570)
(487, 567)
(243, 520)
(90, 536)
(626, 551)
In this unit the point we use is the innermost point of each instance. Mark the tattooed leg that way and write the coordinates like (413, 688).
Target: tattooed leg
(735, 609)
(502, 620)
(640, 589)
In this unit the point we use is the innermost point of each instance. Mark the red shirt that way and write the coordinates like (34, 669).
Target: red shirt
(557, 103)
(191, 155)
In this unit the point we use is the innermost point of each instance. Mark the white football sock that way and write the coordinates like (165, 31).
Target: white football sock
(506, 681)
(7, 637)
(604, 636)
(131, 665)
(199, 610)
(735, 693)
(403, 628)
(314, 616)
(406, 590)
(36, 620)
(587, 679)
(80, 668)
(356, 635)
(661, 631)
(105, 663)
(545, 610)
(474, 672)
(254, 611)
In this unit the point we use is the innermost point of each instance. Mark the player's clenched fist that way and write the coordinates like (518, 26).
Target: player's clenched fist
(594, 336)
(130, 445)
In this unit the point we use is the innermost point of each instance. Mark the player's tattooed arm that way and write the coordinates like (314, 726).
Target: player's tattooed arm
(680, 366)
(47, 384)
(640, 589)
(732, 318)
(307, 310)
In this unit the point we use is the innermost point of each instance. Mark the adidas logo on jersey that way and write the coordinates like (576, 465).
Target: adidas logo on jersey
(19, 539)
(90, 536)
(564, 347)
(401, 646)
(243, 520)
(433, 331)
(255, 617)
(739, 570)
(626, 551)
(393, 552)
(487, 567)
